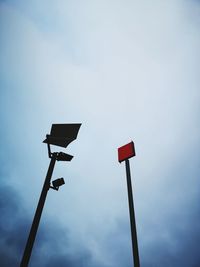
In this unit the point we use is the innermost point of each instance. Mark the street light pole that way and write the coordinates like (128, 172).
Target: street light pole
(38, 213)
(61, 135)
(132, 216)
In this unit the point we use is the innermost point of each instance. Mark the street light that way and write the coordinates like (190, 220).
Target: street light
(124, 153)
(61, 135)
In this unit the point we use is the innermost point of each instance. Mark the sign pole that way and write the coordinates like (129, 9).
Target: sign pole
(124, 153)
(132, 217)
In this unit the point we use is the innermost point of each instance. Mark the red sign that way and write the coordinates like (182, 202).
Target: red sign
(126, 152)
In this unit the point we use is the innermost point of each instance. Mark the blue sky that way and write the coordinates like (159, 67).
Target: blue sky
(127, 70)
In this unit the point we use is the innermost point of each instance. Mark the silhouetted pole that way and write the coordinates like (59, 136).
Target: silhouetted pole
(38, 213)
(124, 154)
(132, 217)
(61, 135)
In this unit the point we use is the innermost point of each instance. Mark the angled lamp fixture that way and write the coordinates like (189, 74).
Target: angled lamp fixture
(61, 135)
(57, 183)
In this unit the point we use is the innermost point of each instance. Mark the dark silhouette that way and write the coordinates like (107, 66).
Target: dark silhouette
(61, 135)
(124, 153)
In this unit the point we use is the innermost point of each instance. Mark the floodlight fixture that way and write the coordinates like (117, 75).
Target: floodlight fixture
(57, 183)
(62, 134)
(64, 157)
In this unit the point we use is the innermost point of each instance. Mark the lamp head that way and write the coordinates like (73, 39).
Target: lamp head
(62, 134)
(58, 182)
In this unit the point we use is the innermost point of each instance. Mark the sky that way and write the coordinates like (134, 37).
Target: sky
(127, 70)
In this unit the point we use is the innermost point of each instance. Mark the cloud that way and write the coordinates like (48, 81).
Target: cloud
(11, 226)
(52, 246)
(176, 243)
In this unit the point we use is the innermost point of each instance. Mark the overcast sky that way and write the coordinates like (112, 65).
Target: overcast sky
(127, 70)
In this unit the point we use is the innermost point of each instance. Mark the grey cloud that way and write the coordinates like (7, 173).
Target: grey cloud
(51, 247)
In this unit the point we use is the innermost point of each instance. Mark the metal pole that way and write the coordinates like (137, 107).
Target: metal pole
(132, 217)
(38, 213)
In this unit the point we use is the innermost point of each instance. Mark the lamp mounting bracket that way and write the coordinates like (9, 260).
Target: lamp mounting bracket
(54, 188)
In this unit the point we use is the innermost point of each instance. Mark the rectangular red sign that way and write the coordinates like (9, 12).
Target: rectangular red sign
(125, 152)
